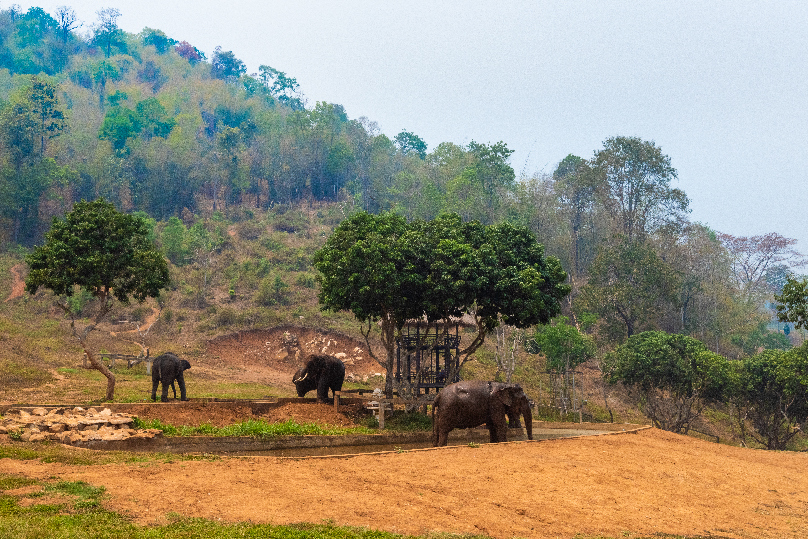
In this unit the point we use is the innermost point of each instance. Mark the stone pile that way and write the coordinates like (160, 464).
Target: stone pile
(75, 426)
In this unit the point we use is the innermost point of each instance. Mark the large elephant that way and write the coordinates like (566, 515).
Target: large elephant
(322, 372)
(166, 368)
(471, 403)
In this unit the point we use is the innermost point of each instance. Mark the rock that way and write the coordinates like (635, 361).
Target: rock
(77, 427)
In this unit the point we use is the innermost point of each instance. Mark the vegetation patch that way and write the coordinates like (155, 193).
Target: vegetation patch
(254, 428)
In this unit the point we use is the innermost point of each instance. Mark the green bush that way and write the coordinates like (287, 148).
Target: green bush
(272, 291)
(306, 280)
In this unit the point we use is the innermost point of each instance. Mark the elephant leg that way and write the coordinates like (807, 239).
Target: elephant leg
(322, 390)
(181, 382)
(502, 431)
(443, 437)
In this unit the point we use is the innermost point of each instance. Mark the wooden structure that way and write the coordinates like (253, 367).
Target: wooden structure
(425, 356)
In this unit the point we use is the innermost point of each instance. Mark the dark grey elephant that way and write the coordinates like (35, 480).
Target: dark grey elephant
(471, 403)
(322, 372)
(166, 368)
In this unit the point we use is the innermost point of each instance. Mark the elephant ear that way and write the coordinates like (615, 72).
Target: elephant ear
(505, 395)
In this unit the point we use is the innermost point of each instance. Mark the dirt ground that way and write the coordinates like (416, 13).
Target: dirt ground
(620, 484)
(645, 483)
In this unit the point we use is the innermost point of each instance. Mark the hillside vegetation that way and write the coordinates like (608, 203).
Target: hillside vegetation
(242, 180)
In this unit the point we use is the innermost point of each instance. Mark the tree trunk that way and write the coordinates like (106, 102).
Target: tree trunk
(100, 367)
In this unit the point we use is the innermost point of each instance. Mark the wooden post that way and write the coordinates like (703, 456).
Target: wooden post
(336, 400)
(382, 405)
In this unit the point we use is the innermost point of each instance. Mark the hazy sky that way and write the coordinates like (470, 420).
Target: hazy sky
(720, 86)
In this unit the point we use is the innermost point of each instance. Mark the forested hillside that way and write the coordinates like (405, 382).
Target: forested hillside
(148, 122)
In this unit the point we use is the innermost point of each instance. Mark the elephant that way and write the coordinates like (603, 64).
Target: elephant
(322, 372)
(471, 403)
(165, 369)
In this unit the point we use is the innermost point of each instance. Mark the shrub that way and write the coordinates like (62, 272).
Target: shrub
(272, 291)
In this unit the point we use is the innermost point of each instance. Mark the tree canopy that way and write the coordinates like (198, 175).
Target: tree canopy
(674, 376)
(382, 268)
(103, 251)
(771, 396)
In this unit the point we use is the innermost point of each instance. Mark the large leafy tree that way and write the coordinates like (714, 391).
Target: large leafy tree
(362, 270)
(673, 376)
(410, 143)
(630, 287)
(383, 269)
(104, 252)
(636, 177)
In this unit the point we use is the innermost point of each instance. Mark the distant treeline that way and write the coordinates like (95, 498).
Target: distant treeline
(151, 124)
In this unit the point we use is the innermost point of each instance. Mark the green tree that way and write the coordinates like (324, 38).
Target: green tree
(67, 20)
(562, 344)
(410, 143)
(673, 376)
(494, 174)
(120, 125)
(100, 250)
(637, 194)
(576, 188)
(106, 32)
(224, 65)
(381, 268)
(154, 118)
(362, 270)
(792, 302)
(771, 396)
(629, 287)
(564, 348)
(175, 242)
(281, 86)
(157, 38)
(30, 118)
